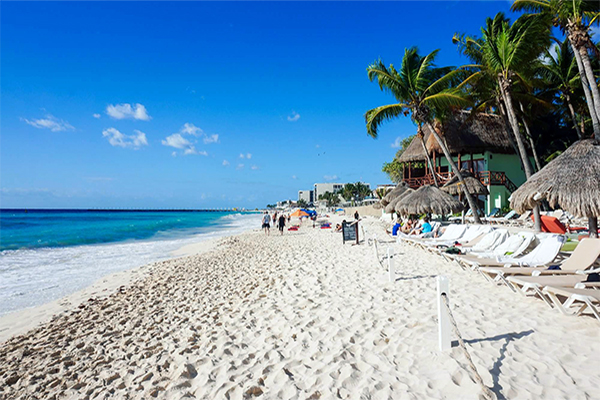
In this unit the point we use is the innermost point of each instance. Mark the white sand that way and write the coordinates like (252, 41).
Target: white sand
(302, 316)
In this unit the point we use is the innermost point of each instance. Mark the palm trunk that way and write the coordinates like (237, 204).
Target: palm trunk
(573, 117)
(428, 158)
(585, 58)
(444, 148)
(586, 88)
(505, 90)
(538, 165)
(593, 227)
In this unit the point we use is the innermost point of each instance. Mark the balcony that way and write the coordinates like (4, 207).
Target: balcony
(486, 177)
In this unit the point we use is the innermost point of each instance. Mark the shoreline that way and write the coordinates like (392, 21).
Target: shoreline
(21, 321)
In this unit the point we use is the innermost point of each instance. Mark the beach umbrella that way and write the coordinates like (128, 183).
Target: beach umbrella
(392, 207)
(428, 199)
(474, 185)
(299, 213)
(571, 182)
(397, 191)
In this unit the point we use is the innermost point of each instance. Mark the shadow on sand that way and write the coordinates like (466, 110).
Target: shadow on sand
(495, 371)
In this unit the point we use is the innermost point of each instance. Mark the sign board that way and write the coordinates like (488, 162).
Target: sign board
(350, 232)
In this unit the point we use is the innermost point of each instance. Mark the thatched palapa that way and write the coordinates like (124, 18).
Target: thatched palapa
(378, 206)
(474, 185)
(571, 181)
(429, 199)
(397, 191)
(392, 207)
(464, 134)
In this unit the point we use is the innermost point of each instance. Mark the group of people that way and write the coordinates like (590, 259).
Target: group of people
(411, 226)
(278, 221)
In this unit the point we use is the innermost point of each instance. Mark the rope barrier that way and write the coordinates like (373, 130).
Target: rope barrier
(487, 393)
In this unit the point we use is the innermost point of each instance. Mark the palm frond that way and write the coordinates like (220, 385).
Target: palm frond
(375, 117)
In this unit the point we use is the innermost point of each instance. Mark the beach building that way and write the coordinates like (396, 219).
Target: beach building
(480, 144)
(306, 195)
(321, 188)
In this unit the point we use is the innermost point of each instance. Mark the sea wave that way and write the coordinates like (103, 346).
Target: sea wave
(31, 277)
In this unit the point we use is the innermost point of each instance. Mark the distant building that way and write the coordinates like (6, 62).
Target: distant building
(306, 195)
(321, 188)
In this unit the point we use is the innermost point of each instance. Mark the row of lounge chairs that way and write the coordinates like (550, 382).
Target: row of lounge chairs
(528, 263)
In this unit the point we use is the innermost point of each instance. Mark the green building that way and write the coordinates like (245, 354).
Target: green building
(480, 144)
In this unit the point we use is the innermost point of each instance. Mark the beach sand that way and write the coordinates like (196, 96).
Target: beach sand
(301, 316)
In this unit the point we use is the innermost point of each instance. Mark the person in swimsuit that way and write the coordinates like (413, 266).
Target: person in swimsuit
(266, 223)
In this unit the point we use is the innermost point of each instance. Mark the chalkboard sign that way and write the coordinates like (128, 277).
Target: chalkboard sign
(350, 232)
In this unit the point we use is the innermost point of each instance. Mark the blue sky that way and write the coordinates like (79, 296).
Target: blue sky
(197, 104)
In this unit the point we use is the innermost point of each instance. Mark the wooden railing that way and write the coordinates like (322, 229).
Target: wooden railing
(486, 178)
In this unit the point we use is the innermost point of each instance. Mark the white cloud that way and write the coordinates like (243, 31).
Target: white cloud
(96, 116)
(225, 163)
(294, 117)
(317, 146)
(191, 129)
(202, 153)
(294, 177)
(49, 122)
(177, 141)
(174, 154)
(127, 111)
(240, 166)
(211, 139)
(330, 177)
(254, 167)
(397, 143)
(116, 138)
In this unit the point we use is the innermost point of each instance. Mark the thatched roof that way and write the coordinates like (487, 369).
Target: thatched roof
(571, 181)
(429, 199)
(474, 185)
(378, 205)
(392, 207)
(398, 190)
(464, 134)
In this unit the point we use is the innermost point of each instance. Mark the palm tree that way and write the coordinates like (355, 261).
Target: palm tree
(560, 74)
(507, 54)
(424, 91)
(574, 17)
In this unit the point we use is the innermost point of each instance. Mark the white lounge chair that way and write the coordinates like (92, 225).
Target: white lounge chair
(514, 245)
(470, 234)
(573, 295)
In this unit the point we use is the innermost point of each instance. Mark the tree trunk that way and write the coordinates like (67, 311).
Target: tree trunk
(586, 88)
(428, 158)
(573, 117)
(470, 199)
(509, 129)
(538, 165)
(593, 227)
(587, 66)
(510, 109)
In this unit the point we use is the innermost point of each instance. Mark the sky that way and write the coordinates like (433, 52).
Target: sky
(203, 104)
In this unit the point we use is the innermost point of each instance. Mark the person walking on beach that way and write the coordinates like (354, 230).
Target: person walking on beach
(281, 223)
(356, 216)
(266, 223)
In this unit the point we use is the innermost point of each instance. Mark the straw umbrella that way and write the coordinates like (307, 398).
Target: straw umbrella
(378, 206)
(474, 185)
(429, 199)
(571, 181)
(398, 190)
(393, 206)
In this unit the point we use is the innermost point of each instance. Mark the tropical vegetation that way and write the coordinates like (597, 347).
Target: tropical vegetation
(540, 73)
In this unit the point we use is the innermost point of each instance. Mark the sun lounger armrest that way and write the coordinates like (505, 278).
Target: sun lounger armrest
(587, 271)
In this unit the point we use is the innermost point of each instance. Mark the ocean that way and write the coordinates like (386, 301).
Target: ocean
(48, 254)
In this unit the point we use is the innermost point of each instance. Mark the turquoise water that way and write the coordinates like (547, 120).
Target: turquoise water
(46, 255)
(32, 229)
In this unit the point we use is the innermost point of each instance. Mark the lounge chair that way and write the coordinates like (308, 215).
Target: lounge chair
(507, 219)
(514, 245)
(583, 257)
(452, 232)
(573, 295)
(471, 233)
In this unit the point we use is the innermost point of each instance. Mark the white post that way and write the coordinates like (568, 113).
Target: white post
(375, 247)
(443, 318)
(390, 254)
